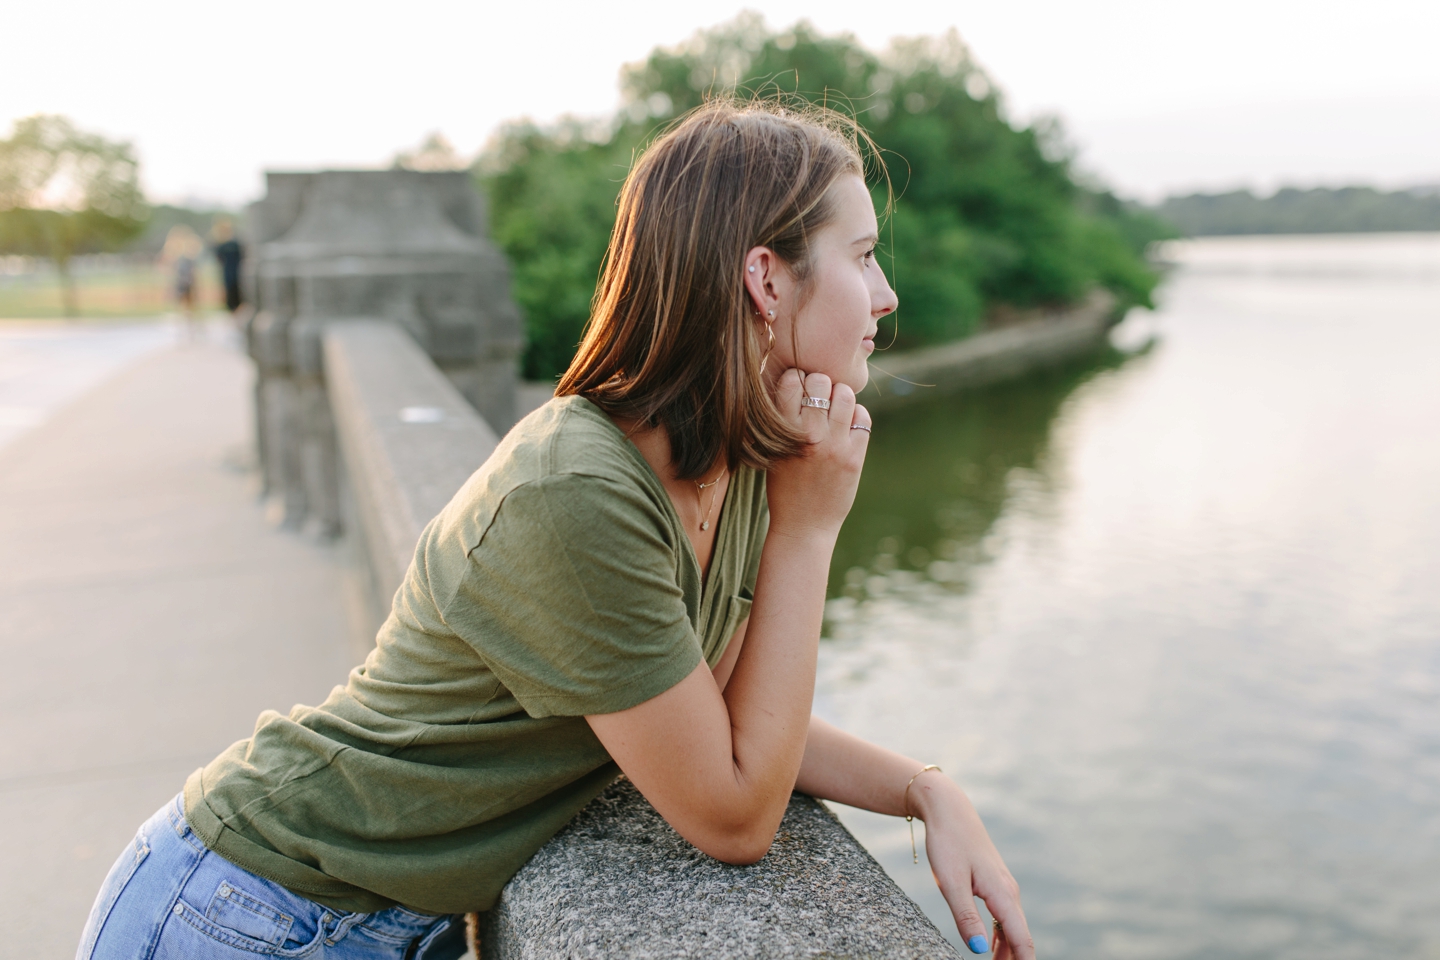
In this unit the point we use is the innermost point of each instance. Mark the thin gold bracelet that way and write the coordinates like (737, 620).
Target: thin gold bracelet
(910, 817)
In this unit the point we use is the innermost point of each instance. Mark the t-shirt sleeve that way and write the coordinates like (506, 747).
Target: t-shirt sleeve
(572, 598)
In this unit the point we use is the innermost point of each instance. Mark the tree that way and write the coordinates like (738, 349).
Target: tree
(552, 205)
(64, 192)
(988, 218)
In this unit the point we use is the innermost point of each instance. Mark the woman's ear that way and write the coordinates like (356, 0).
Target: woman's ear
(763, 282)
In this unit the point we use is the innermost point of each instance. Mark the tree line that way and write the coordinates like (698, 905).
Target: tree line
(1291, 210)
(988, 215)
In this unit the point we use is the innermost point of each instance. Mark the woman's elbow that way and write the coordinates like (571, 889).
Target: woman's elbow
(740, 848)
(736, 828)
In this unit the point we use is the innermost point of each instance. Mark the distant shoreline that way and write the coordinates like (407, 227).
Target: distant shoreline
(1304, 212)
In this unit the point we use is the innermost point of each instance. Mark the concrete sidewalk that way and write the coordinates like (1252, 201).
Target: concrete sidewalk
(148, 613)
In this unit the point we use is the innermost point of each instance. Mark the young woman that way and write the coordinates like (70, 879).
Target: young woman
(633, 582)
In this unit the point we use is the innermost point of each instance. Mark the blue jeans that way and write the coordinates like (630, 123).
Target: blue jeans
(168, 897)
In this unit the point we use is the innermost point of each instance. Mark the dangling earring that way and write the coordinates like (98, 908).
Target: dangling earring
(770, 329)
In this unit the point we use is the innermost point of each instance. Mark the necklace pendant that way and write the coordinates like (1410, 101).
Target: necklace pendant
(705, 525)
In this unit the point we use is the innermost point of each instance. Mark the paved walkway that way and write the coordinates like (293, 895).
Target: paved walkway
(46, 365)
(148, 613)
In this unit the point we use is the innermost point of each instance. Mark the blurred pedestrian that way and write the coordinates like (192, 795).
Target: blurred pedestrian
(229, 252)
(181, 253)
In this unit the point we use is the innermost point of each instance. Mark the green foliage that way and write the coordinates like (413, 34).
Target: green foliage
(552, 204)
(64, 192)
(987, 215)
(1346, 210)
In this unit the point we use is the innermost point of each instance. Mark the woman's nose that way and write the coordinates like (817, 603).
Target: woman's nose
(886, 301)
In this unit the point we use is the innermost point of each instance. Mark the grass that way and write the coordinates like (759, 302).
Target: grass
(126, 291)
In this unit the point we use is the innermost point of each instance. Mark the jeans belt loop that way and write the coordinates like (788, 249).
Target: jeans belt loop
(342, 926)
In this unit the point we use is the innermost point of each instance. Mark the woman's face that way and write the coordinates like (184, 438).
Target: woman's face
(833, 330)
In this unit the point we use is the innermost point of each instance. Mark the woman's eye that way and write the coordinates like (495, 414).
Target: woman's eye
(869, 255)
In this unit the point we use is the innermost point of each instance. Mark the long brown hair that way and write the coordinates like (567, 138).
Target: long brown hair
(672, 339)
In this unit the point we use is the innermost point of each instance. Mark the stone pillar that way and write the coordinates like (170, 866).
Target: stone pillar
(398, 245)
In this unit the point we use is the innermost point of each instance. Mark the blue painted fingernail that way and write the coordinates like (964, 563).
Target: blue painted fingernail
(978, 944)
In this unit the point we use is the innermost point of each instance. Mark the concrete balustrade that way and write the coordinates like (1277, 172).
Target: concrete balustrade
(406, 438)
(398, 245)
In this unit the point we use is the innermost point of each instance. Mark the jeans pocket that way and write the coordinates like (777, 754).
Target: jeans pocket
(115, 881)
(238, 939)
(248, 915)
(246, 922)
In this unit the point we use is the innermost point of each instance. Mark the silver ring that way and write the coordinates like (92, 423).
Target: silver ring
(859, 426)
(815, 402)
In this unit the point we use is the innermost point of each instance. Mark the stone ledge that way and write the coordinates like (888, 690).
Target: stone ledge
(619, 882)
(408, 439)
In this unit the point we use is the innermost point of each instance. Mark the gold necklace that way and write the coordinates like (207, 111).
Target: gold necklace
(701, 488)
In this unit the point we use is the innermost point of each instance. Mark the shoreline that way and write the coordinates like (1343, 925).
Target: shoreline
(992, 356)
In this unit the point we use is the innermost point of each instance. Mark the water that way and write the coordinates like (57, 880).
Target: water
(1174, 620)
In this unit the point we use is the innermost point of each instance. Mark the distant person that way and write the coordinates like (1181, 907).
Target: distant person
(182, 253)
(229, 252)
(634, 582)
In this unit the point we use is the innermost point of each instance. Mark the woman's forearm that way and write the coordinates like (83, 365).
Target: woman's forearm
(770, 692)
(842, 767)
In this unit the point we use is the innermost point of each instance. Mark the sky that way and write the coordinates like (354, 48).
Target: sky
(1157, 96)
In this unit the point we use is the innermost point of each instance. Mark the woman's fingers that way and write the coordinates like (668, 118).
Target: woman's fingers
(972, 928)
(823, 405)
(1003, 901)
(1014, 941)
(842, 412)
(860, 422)
(789, 393)
(815, 405)
(956, 887)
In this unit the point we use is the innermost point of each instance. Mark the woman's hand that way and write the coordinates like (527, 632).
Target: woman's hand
(842, 767)
(966, 865)
(814, 492)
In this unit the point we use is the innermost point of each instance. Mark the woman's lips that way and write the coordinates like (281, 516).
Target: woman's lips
(869, 343)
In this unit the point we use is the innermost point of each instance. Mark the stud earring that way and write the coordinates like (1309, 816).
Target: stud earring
(771, 313)
(752, 268)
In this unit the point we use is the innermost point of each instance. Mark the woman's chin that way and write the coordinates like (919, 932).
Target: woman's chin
(856, 379)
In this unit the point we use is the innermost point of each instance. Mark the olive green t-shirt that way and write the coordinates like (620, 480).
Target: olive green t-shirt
(557, 583)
